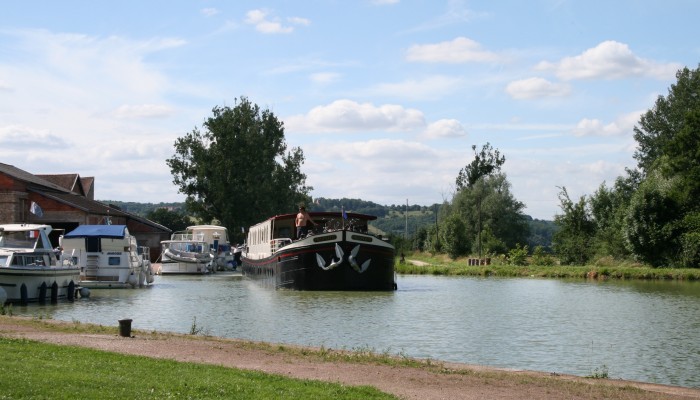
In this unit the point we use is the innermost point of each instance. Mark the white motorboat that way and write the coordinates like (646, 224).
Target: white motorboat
(29, 269)
(108, 257)
(200, 249)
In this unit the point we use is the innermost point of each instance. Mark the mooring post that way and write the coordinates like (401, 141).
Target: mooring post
(125, 327)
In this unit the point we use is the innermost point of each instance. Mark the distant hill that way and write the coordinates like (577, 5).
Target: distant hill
(141, 209)
(393, 219)
(400, 219)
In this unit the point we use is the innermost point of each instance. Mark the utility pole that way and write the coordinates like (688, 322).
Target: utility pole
(405, 232)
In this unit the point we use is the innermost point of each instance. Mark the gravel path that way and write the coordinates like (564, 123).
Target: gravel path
(464, 381)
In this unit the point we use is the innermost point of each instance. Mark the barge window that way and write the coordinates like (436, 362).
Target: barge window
(361, 238)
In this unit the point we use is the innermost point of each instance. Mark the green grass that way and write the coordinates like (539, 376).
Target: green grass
(603, 269)
(34, 370)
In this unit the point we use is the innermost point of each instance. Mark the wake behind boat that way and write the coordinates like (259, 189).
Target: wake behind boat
(340, 254)
(29, 269)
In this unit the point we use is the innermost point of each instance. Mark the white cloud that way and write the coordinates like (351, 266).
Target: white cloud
(456, 13)
(445, 128)
(456, 51)
(348, 115)
(430, 88)
(391, 170)
(536, 179)
(299, 21)
(86, 104)
(595, 127)
(22, 138)
(87, 67)
(209, 12)
(324, 77)
(4, 86)
(609, 60)
(385, 2)
(265, 24)
(533, 88)
(602, 168)
(143, 111)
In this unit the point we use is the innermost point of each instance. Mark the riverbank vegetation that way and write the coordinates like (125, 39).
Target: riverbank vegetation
(650, 216)
(427, 264)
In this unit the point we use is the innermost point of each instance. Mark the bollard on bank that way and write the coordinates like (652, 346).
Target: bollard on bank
(125, 327)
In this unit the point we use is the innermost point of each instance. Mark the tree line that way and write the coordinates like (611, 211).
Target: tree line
(238, 170)
(652, 213)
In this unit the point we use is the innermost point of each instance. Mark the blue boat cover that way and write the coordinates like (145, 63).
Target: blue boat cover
(105, 231)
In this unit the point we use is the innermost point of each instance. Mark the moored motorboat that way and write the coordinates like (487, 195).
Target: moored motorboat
(200, 249)
(340, 254)
(29, 268)
(108, 257)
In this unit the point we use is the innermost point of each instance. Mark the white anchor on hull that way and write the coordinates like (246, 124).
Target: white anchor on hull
(353, 261)
(334, 262)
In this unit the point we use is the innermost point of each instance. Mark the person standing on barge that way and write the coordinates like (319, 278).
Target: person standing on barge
(303, 218)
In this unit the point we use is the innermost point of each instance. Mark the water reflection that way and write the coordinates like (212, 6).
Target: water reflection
(637, 330)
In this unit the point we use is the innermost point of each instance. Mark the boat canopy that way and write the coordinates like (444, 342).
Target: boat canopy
(103, 231)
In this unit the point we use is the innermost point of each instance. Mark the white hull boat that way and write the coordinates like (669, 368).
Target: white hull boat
(108, 257)
(29, 269)
(201, 249)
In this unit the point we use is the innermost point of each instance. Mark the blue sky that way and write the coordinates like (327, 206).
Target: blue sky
(385, 97)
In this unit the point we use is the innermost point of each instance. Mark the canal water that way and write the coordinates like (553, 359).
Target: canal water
(643, 331)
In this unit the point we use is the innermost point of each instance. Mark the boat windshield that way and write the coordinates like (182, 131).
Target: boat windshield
(20, 240)
(189, 247)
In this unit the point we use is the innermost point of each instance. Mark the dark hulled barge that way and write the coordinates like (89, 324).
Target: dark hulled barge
(339, 253)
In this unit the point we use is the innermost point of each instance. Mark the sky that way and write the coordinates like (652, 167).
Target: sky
(385, 97)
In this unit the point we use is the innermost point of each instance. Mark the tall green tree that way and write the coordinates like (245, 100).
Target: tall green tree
(492, 218)
(651, 225)
(608, 207)
(661, 225)
(173, 220)
(453, 236)
(486, 162)
(491, 213)
(666, 119)
(237, 169)
(572, 242)
(683, 156)
(682, 159)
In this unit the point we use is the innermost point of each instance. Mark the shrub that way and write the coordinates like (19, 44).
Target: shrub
(541, 258)
(518, 255)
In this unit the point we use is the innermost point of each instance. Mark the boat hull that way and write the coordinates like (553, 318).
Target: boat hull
(342, 260)
(115, 277)
(168, 267)
(39, 283)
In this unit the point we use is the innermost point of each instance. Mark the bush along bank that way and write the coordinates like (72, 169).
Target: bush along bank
(426, 264)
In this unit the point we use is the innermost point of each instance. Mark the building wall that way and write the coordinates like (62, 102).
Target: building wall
(147, 235)
(15, 200)
(14, 207)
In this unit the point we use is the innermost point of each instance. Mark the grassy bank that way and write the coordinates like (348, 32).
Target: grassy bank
(36, 369)
(47, 371)
(443, 265)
